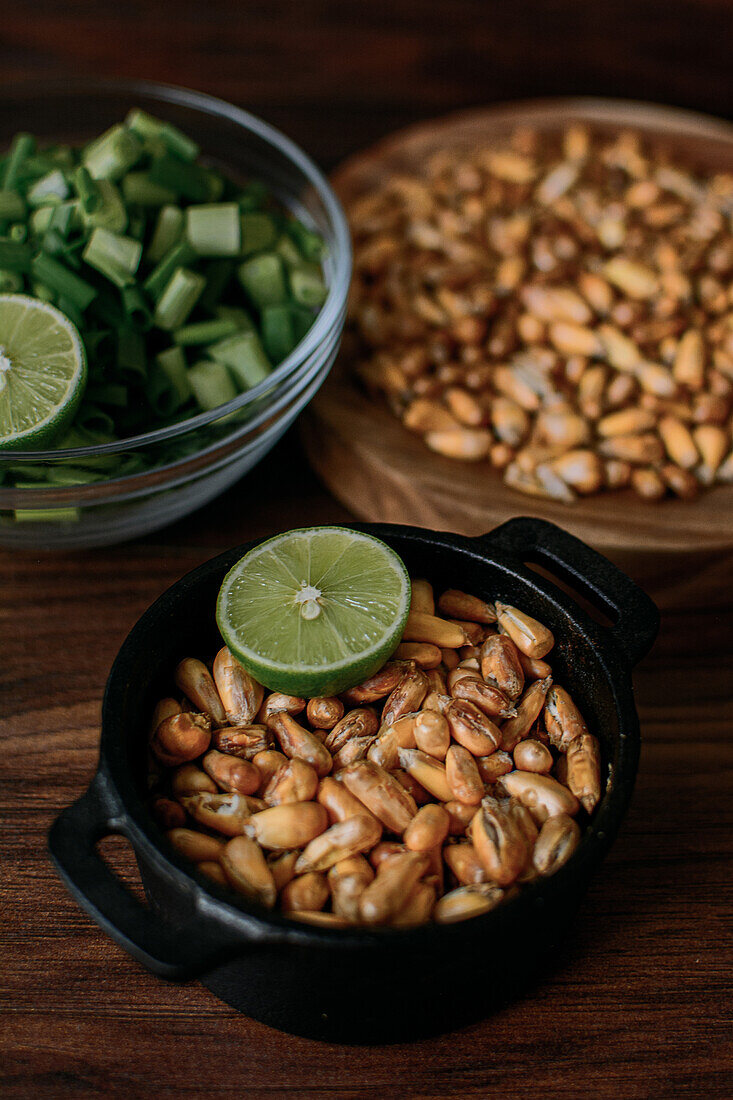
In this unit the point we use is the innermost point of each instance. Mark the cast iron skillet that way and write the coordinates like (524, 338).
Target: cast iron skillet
(361, 985)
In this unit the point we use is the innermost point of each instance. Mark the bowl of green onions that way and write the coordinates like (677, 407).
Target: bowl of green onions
(173, 284)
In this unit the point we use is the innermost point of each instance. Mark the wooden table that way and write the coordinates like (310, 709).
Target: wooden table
(639, 1004)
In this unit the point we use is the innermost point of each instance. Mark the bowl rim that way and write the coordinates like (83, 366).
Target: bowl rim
(333, 308)
(252, 923)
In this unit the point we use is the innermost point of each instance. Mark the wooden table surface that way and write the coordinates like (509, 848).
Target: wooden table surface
(639, 1004)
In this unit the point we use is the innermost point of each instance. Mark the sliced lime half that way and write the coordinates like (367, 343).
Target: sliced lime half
(42, 372)
(315, 610)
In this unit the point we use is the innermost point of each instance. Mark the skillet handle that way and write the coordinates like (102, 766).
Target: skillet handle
(175, 953)
(635, 615)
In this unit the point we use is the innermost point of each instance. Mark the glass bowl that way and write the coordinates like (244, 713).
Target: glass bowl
(162, 475)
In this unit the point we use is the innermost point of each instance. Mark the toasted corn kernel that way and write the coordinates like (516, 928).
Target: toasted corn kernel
(246, 742)
(459, 605)
(428, 828)
(308, 891)
(460, 814)
(168, 814)
(395, 879)
(528, 709)
(563, 721)
(323, 713)
(196, 846)
(557, 840)
(295, 741)
(678, 442)
(294, 781)
(581, 469)
(509, 421)
(464, 407)
(240, 694)
(191, 779)
(418, 907)
(348, 880)
(584, 770)
(358, 724)
(682, 483)
(381, 793)
(278, 703)
(626, 422)
(213, 871)
(428, 771)
(181, 737)
(436, 631)
(471, 688)
(283, 868)
(466, 902)
(529, 635)
(472, 729)
(226, 813)
(267, 763)
(620, 350)
(500, 841)
(231, 774)
(437, 701)
(632, 278)
(475, 632)
(164, 708)
(500, 663)
(451, 659)
(341, 841)
(638, 449)
(491, 768)
(467, 444)
(712, 443)
(462, 775)
(432, 734)
(376, 686)
(424, 415)
(406, 697)
(292, 825)
(542, 795)
(245, 867)
(338, 801)
(385, 851)
(412, 786)
(424, 655)
(596, 291)
(463, 861)
(437, 684)
(422, 598)
(323, 920)
(194, 680)
(571, 339)
(689, 362)
(532, 756)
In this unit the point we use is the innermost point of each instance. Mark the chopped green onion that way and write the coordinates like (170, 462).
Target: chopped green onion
(135, 308)
(285, 248)
(114, 256)
(22, 147)
(204, 332)
(241, 318)
(18, 232)
(178, 298)
(214, 229)
(310, 244)
(10, 281)
(176, 142)
(158, 279)
(307, 286)
(46, 515)
(130, 353)
(139, 188)
(191, 181)
(51, 188)
(12, 206)
(112, 154)
(111, 213)
(167, 232)
(245, 357)
(211, 384)
(15, 256)
(263, 279)
(278, 332)
(88, 190)
(62, 281)
(70, 308)
(172, 362)
(258, 232)
(218, 273)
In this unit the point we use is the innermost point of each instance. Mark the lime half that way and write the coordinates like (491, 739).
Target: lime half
(42, 372)
(315, 610)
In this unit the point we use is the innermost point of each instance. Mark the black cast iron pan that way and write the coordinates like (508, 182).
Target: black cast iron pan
(359, 985)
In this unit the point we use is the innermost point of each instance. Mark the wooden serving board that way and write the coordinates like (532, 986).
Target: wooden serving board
(681, 551)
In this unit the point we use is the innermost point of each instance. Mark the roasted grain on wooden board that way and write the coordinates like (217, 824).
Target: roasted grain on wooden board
(560, 306)
(432, 791)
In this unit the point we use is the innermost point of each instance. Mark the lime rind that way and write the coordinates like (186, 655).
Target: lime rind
(359, 622)
(43, 372)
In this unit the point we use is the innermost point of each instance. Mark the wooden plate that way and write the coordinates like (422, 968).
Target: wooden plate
(380, 471)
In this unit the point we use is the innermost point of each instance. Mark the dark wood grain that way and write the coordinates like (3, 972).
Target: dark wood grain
(638, 1003)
